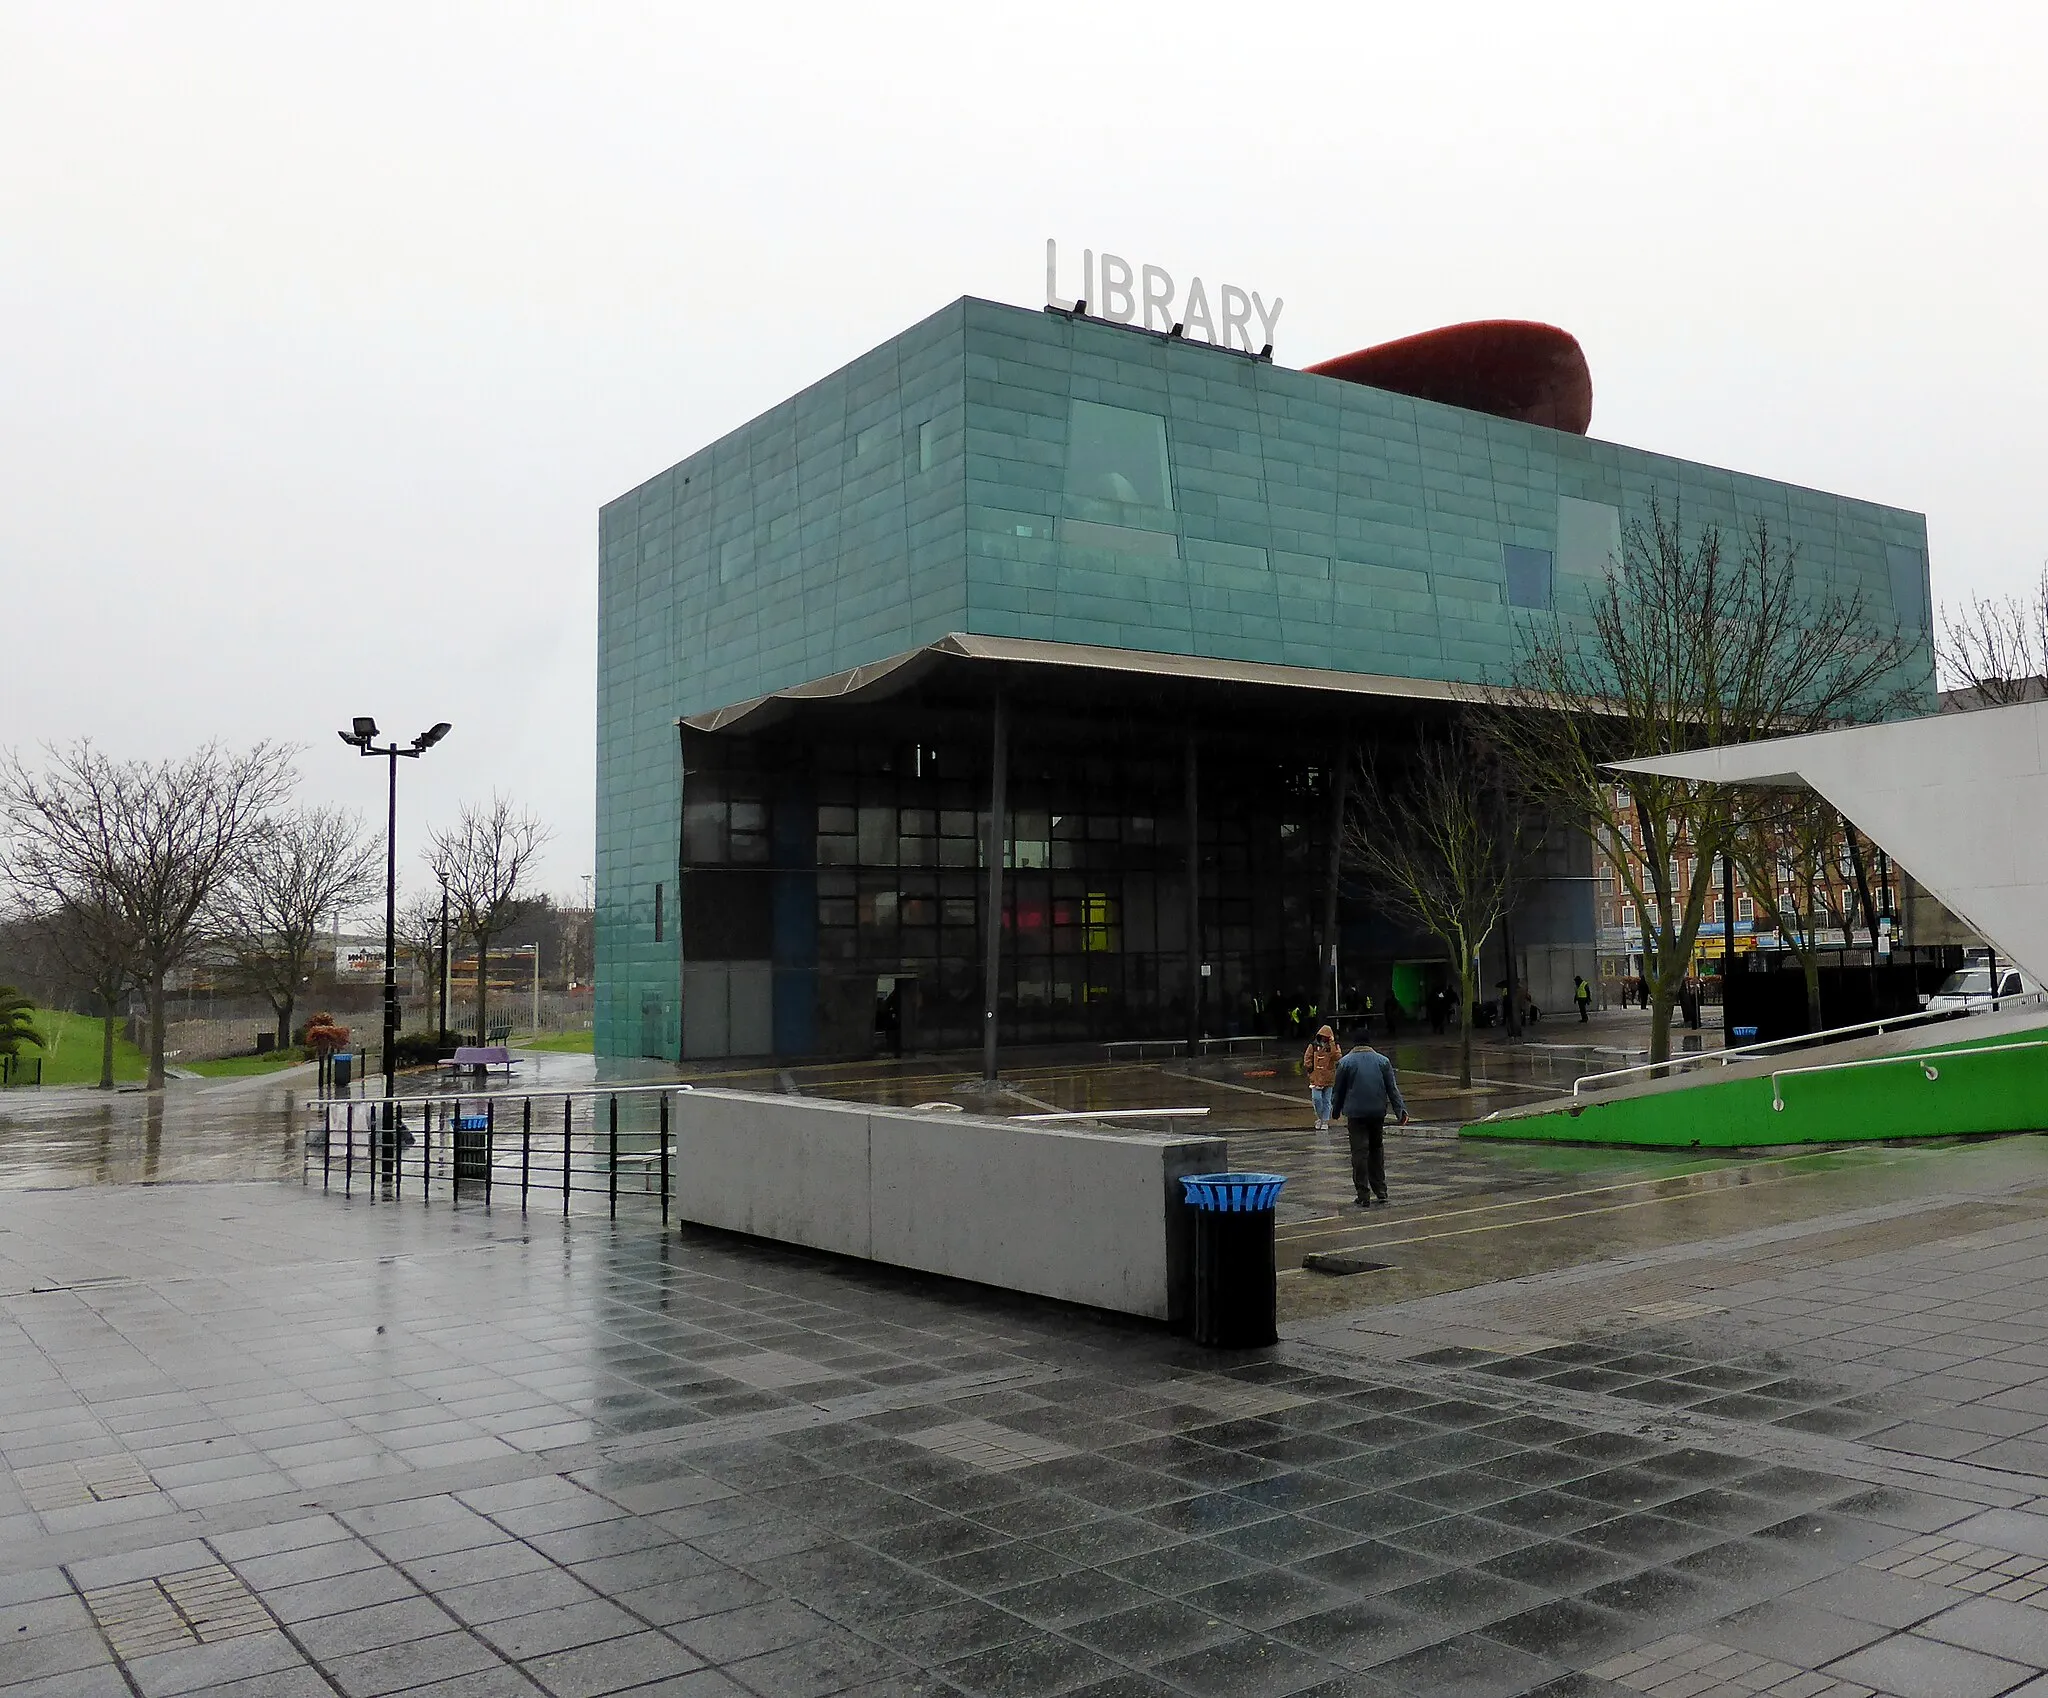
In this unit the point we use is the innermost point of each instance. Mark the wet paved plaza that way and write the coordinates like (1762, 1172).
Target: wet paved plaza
(1605, 1425)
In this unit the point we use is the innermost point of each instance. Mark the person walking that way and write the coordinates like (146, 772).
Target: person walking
(1364, 1092)
(1319, 1062)
(1582, 995)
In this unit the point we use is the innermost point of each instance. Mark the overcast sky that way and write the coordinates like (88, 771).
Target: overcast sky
(323, 337)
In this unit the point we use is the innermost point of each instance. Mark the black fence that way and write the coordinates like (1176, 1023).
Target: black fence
(541, 1149)
(1765, 996)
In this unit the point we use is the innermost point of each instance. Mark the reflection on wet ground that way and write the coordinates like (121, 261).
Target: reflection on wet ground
(1462, 1215)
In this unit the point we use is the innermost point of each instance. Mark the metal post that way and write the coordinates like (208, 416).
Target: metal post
(1194, 906)
(427, 1146)
(615, 1156)
(1727, 946)
(441, 1025)
(391, 947)
(348, 1175)
(525, 1151)
(536, 989)
(1340, 794)
(998, 842)
(326, 1145)
(664, 1158)
(490, 1132)
(568, 1108)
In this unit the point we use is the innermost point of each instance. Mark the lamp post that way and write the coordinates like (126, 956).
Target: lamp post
(363, 738)
(441, 1029)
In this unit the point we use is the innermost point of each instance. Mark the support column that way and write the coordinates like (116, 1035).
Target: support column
(998, 841)
(1194, 918)
(1728, 945)
(1340, 794)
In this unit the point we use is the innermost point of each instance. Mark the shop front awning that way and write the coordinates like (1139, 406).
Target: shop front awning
(959, 651)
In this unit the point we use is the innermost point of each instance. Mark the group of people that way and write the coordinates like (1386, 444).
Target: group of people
(1359, 1086)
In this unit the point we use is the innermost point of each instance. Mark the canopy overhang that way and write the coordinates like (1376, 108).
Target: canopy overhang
(882, 679)
(1959, 799)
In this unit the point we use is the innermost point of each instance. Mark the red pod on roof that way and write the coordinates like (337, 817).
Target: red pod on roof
(1509, 367)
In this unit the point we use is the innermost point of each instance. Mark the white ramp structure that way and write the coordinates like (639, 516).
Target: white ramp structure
(1959, 799)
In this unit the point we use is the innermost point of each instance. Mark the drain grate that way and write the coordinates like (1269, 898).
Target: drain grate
(1229, 1400)
(1942, 1561)
(1340, 1262)
(200, 1606)
(983, 1444)
(769, 1370)
(69, 1485)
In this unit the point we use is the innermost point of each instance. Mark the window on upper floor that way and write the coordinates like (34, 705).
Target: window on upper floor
(1117, 454)
(927, 439)
(1529, 575)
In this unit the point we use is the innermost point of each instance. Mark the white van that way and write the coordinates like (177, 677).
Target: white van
(1971, 988)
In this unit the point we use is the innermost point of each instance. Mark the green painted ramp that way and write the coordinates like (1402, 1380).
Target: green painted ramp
(1986, 1084)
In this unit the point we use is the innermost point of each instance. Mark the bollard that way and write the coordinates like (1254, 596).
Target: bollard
(664, 1159)
(568, 1105)
(615, 1156)
(525, 1150)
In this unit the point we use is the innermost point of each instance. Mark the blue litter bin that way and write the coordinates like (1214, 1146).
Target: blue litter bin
(1236, 1287)
(472, 1147)
(344, 1065)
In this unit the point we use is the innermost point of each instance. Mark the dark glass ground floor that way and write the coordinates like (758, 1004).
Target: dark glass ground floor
(834, 890)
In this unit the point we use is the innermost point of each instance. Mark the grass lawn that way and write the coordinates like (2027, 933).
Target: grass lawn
(561, 1043)
(241, 1066)
(71, 1051)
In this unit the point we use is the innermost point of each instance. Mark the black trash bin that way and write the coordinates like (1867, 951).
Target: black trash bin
(472, 1147)
(1236, 1291)
(343, 1065)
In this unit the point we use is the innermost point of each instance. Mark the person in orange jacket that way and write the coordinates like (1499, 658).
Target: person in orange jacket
(1319, 1062)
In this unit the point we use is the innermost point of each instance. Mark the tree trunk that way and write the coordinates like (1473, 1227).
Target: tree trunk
(1465, 989)
(106, 1043)
(284, 1021)
(1661, 1000)
(483, 973)
(156, 1032)
(1809, 967)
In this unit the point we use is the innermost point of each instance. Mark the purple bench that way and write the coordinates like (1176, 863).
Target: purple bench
(480, 1057)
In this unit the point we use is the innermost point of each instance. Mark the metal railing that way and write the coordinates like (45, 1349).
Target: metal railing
(1700, 1058)
(483, 1144)
(1929, 1065)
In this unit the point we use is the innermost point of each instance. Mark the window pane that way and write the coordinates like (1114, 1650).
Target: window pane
(1528, 576)
(1117, 454)
(925, 436)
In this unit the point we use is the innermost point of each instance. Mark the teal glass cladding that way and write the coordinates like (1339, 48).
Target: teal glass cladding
(1014, 473)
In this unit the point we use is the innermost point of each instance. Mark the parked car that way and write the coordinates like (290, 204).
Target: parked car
(1971, 988)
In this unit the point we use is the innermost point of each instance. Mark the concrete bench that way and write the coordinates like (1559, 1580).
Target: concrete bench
(1087, 1217)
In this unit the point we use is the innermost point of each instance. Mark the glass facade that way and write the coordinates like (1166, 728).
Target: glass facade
(861, 872)
(1007, 473)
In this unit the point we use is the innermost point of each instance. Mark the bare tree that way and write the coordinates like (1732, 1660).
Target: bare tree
(419, 937)
(1441, 838)
(1684, 647)
(149, 841)
(483, 864)
(85, 938)
(1789, 847)
(1994, 650)
(294, 874)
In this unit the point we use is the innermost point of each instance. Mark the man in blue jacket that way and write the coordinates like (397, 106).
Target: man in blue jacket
(1364, 1090)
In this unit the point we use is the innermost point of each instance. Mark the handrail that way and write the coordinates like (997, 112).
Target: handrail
(1118, 1114)
(1724, 1056)
(515, 1091)
(1926, 1064)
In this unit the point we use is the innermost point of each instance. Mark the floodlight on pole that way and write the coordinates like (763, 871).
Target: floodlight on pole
(364, 738)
